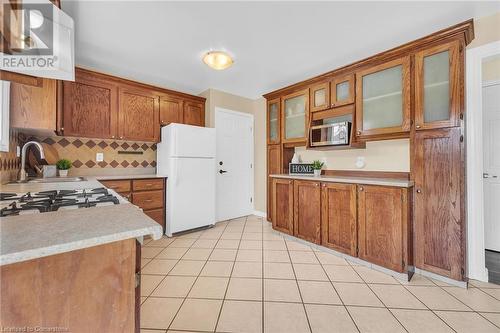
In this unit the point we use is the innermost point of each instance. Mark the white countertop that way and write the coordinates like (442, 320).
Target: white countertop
(26, 237)
(351, 180)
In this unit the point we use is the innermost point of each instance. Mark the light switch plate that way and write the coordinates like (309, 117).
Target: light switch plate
(99, 157)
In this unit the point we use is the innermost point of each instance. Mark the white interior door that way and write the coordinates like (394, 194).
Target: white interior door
(234, 164)
(491, 175)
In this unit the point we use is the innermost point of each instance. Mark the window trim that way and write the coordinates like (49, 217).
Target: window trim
(4, 115)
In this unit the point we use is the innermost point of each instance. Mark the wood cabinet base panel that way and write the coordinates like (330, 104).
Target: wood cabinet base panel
(88, 290)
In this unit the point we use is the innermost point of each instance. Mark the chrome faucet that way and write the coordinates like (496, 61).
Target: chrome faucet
(22, 173)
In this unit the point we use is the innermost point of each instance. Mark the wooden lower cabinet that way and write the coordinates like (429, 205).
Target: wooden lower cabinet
(273, 167)
(307, 210)
(383, 226)
(283, 205)
(339, 217)
(366, 221)
(439, 202)
(88, 290)
(148, 194)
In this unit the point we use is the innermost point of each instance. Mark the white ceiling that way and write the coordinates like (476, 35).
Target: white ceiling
(274, 44)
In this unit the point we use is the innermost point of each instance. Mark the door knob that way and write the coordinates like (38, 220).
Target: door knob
(487, 175)
(222, 171)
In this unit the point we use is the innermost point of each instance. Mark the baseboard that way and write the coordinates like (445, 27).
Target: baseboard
(259, 213)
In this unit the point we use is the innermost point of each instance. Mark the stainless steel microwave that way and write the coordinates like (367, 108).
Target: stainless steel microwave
(330, 134)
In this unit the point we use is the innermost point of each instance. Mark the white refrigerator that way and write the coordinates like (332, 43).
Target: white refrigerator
(186, 155)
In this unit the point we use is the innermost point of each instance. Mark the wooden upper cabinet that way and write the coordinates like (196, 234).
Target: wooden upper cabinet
(34, 107)
(283, 205)
(342, 90)
(90, 107)
(171, 110)
(273, 167)
(439, 220)
(139, 115)
(295, 116)
(339, 217)
(438, 81)
(383, 99)
(307, 210)
(273, 121)
(320, 96)
(194, 113)
(382, 223)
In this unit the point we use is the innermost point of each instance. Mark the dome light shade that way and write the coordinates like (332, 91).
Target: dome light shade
(217, 60)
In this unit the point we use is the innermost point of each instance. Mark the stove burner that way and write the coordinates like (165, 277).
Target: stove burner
(50, 201)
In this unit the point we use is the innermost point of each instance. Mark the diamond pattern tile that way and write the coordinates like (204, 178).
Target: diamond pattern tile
(49, 141)
(144, 163)
(63, 142)
(125, 145)
(124, 164)
(114, 164)
(91, 144)
(114, 145)
(144, 146)
(102, 144)
(135, 146)
(135, 164)
(90, 164)
(77, 164)
(77, 143)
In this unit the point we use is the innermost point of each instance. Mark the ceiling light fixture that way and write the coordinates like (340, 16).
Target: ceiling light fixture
(217, 60)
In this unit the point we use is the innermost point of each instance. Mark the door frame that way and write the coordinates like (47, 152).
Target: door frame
(476, 263)
(218, 111)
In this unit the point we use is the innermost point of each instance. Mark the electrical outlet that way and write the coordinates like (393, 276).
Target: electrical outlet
(99, 157)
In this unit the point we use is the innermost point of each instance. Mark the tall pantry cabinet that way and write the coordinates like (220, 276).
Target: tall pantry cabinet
(438, 159)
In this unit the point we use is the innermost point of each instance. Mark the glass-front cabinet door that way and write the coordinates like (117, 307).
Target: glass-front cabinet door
(320, 97)
(342, 90)
(383, 99)
(295, 112)
(273, 121)
(437, 86)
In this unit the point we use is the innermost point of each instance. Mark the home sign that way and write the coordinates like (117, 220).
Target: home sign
(300, 169)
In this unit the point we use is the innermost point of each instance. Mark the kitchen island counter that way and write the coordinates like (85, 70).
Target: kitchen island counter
(32, 236)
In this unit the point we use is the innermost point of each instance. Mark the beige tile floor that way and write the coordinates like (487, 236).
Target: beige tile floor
(241, 276)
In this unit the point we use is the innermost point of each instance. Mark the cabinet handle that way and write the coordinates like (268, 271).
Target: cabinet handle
(148, 200)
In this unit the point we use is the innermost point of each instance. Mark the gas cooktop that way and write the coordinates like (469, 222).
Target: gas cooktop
(50, 201)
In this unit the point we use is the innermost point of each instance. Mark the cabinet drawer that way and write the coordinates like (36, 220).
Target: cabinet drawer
(147, 184)
(148, 200)
(156, 214)
(121, 186)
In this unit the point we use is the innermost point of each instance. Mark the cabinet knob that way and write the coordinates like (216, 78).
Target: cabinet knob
(361, 189)
(290, 182)
(419, 191)
(358, 132)
(316, 184)
(324, 185)
(121, 137)
(112, 137)
(417, 126)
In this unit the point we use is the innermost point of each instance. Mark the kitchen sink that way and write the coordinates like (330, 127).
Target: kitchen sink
(55, 180)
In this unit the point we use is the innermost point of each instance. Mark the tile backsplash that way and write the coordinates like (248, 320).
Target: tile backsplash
(117, 154)
(9, 162)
